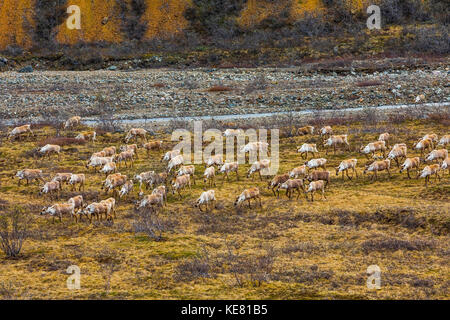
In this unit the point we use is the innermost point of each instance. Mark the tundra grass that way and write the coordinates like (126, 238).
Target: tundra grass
(287, 249)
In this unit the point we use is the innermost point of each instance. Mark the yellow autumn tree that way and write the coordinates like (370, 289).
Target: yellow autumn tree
(100, 21)
(16, 21)
(165, 17)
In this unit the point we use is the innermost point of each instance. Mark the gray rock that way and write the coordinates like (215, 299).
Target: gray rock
(26, 69)
(112, 68)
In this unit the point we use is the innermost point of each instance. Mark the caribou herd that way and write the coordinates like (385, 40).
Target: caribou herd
(305, 179)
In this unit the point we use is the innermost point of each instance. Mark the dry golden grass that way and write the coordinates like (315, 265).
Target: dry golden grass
(286, 250)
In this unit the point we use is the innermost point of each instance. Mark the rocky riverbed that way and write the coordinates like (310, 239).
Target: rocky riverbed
(155, 93)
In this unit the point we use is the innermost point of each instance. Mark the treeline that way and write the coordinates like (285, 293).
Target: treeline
(215, 24)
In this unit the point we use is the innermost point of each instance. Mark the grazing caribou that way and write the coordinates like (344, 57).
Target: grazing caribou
(62, 178)
(111, 205)
(152, 145)
(316, 186)
(49, 149)
(303, 131)
(190, 170)
(161, 190)
(424, 144)
(438, 155)
(307, 147)
(109, 151)
(432, 136)
(258, 166)
(446, 165)
(126, 189)
(319, 175)
(72, 122)
(169, 155)
(126, 157)
(97, 209)
(276, 182)
(233, 133)
(292, 185)
(326, 131)
(209, 175)
(78, 203)
(29, 175)
(135, 133)
(378, 166)
(411, 163)
(50, 188)
(335, 141)
(247, 195)
(255, 147)
(317, 163)
(445, 140)
(230, 167)
(373, 147)
(58, 210)
(385, 137)
(96, 161)
(180, 183)
(175, 163)
(18, 131)
(216, 160)
(87, 136)
(345, 165)
(130, 147)
(398, 152)
(429, 171)
(298, 172)
(79, 179)
(151, 200)
(206, 198)
(113, 182)
(109, 168)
